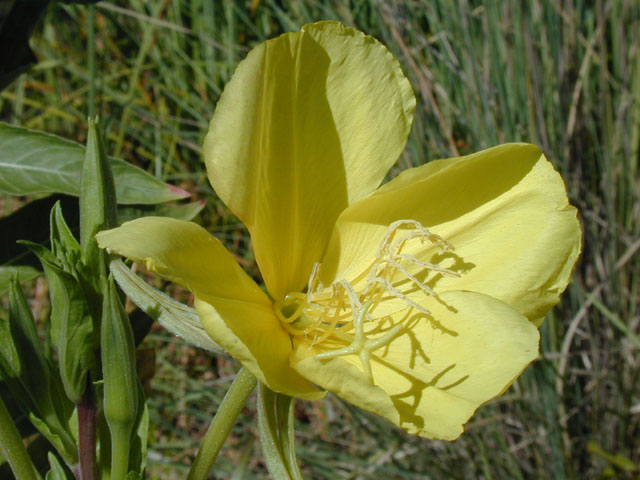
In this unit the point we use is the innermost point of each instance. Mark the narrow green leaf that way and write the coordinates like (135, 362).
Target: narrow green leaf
(72, 327)
(75, 346)
(174, 316)
(13, 448)
(23, 272)
(61, 440)
(36, 385)
(33, 162)
(63, 244)
(33, 367)
(186, 212)
(138, 455)
(56, 470)
(9, 357)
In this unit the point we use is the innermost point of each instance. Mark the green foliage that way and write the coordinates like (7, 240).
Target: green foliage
(24, 272)
(182, 211)
(36, 162)
(56, 470)
(72, 327)
(31, 379)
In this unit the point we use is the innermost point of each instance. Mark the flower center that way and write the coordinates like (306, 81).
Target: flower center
(345, 318)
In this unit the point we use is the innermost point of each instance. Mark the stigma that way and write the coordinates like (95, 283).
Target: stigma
(348, 318)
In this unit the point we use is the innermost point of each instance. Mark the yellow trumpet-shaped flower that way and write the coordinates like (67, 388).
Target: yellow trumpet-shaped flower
(417, 300)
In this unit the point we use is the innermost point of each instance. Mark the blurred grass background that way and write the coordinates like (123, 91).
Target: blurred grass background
(564, 74)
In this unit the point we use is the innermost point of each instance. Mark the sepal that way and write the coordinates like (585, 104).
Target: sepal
(174, 316)
(275, 420)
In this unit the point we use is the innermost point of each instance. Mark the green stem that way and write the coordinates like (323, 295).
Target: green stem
(120, 443)
(220, 427)
(13, 448)
(91, 59)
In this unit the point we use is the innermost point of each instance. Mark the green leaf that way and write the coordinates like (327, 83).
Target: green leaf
(138, 455)
(62, 441)
(33, 162)
(23, 272)
(186, 212)
(56, 470)
(35, 385)
(9, 357)
(174, 316)
(63, 244)
(33, 368)
(71, 324)
(275, 421)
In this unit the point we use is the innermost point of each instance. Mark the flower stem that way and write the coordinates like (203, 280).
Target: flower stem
(220, 427)
(87, 417)
(120, 446)
(13, 449)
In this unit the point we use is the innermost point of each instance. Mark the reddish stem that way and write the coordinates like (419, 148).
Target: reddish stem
(87, 421)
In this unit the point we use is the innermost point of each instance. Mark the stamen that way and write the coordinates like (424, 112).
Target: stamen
(419, 231)
(428, 265)
(360, 345)
(340, 312)
(388, 288)
(425, 288)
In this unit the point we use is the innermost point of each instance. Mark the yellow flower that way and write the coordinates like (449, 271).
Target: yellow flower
(415, 300)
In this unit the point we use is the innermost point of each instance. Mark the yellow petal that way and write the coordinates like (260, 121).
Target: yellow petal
(310, 122)
(234, 311)
(433, 376)
(504, 210)
(184, 253)
(251, 334)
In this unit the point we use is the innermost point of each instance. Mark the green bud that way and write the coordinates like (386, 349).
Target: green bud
(97, 199)
(120, 381)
